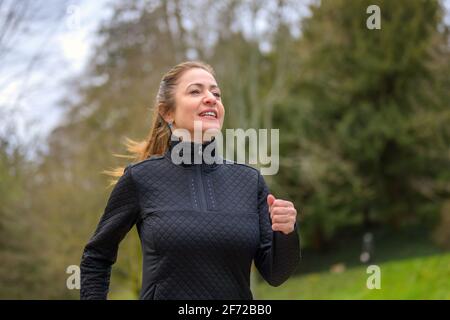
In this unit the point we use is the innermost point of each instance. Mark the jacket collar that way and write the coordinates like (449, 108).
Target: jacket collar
(189, 153)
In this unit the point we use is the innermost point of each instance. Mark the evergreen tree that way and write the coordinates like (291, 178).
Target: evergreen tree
(373, 112)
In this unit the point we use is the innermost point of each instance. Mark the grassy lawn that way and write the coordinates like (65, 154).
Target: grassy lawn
(425, 277)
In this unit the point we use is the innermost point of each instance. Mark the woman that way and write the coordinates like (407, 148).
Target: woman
(201, 224)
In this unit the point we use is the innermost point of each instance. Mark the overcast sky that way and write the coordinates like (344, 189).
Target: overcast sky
(60, 39)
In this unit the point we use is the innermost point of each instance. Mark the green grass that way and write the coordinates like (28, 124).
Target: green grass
(425, 277)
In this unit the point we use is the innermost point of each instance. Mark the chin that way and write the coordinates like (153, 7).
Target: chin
(211, 128)
(208, 124)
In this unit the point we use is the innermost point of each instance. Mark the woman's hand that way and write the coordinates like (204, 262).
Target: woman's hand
(282, 213)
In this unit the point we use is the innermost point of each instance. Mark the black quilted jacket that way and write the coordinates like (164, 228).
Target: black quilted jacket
(200, 226)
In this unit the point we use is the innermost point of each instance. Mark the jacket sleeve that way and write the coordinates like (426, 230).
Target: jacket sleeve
(278, 254)
(100, 253)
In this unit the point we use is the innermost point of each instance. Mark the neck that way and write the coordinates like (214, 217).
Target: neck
(196, 137)
(191, 152)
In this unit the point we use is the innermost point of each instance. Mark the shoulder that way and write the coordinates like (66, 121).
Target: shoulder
(147, 162)
(241, 167)
(245, 173)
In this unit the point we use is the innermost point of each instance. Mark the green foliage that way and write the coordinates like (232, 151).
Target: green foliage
(373, 145)
(22, 267)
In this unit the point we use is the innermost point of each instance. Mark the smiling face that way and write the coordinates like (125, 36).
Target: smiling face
(197, 98)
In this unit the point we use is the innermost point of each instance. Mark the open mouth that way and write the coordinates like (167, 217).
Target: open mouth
(208, 114)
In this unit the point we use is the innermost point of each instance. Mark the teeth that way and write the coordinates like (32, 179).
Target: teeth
(209, 113)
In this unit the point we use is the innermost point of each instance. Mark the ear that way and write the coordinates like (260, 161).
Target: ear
(168, 117)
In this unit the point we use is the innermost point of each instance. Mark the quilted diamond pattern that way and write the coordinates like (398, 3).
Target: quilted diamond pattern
(200, 225)
(121, 213)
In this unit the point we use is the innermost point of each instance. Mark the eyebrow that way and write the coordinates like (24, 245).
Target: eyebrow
(213, 86)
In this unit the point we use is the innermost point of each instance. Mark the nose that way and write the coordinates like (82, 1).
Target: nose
(210, 99)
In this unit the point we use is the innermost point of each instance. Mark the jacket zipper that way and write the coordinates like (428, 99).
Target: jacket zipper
(201, 187)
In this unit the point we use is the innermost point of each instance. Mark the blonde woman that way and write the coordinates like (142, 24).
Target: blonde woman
(201, 224)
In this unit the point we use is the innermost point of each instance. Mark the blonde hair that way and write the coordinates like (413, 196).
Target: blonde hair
(158, 139)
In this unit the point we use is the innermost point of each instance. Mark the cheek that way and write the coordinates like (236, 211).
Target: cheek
(188, 113)
(222, 111)
(186, 110)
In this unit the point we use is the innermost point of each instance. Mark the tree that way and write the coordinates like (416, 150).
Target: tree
(372, 115)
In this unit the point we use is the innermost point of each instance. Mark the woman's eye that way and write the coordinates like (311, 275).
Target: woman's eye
(218, 95)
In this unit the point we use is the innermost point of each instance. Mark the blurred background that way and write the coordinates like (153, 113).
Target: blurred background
(363, 114)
